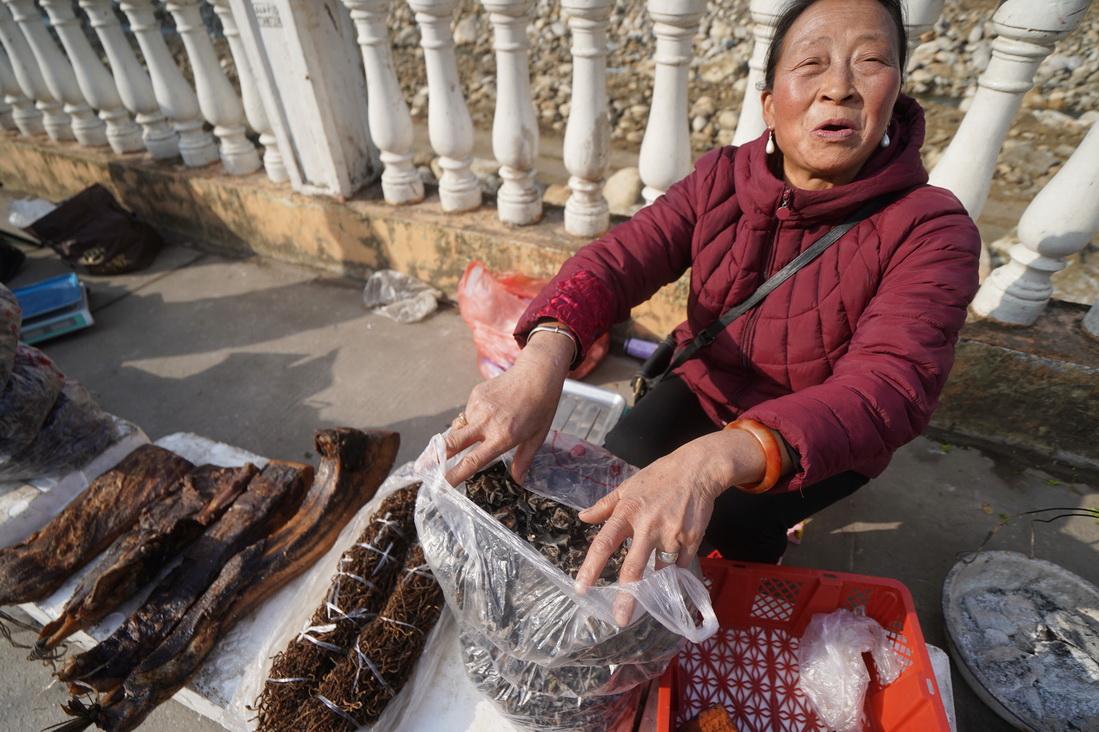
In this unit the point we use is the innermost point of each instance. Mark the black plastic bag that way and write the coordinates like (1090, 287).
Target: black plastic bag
(11, 261)
(92, 231)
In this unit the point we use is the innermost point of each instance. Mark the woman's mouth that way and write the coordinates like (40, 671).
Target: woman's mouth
(835, 130)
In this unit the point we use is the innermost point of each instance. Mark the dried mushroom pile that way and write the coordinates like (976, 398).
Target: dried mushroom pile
(554, 530)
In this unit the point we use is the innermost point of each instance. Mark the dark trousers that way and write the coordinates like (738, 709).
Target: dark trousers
(744, 527)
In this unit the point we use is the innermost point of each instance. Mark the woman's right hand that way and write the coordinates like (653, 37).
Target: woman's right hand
(514, 409)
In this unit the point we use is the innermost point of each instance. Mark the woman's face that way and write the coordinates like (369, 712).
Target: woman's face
(836, 81)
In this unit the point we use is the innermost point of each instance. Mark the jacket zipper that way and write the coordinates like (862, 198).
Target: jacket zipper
(749, 327)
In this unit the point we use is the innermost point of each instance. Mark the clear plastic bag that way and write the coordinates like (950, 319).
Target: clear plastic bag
(23, 212)
(11, 315)
(521, 613)
(400, 297)
(74, 432)
(834, 676)
(26, 400)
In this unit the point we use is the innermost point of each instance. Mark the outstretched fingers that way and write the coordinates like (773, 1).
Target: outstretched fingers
(603, 546)
(477, 458)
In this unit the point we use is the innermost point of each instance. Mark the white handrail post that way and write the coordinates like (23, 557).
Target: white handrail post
(1091, 320)
(254, 110)
(95, 82)
(173, 93)
(750, 124)
(133, 84)
(920, 17)
(217, 99)
(587, 132)
(24, 116)
(390, 122)
(57, 124)
(514, 124)
(449, 125)
(1058, 223)
(58, 74)
(1027, 32)
(666, 148)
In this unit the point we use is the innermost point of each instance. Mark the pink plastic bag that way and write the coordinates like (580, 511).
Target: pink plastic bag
(492, 304)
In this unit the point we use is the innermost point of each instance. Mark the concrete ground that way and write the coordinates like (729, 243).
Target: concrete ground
(260, 355)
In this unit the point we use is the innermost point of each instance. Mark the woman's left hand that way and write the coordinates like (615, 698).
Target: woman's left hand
(667, 507)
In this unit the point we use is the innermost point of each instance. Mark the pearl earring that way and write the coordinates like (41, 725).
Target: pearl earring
(885, 139)
(770, 149)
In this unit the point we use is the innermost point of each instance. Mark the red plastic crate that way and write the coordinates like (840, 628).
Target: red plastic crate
(750, 664)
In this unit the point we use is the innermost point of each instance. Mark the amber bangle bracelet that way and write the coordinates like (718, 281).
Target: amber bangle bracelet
(772, 454)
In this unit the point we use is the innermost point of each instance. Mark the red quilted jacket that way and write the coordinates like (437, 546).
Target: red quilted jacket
(847, 358)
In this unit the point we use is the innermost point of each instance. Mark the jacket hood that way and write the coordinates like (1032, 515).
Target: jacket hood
(894, 168)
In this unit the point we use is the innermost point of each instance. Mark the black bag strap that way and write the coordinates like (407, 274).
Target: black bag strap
(709, 335)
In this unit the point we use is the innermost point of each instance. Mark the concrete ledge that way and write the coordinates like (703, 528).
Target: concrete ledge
(1033, 389)
(250, 215)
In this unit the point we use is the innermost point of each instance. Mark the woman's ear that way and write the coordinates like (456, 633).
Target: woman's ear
(767, 102)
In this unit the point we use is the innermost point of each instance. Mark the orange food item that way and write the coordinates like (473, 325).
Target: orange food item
(711, 719)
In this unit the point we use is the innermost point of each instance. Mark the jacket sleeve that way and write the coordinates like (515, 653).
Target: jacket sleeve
(603, 281)
(883, 390)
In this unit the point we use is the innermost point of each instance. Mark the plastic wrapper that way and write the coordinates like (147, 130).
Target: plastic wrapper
(521, 613)
(25, 211)
(288, 613)
(32, 388)
(10, 318)
(400, 297)
(491, 306)
(74, 432)
(834, 676)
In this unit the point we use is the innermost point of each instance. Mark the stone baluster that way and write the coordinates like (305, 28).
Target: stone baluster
(765, 14)
(132, 82)
(95, 82)
(1091, 320)
(174, 95)
(448, 123)
(514, 125)
(254, 110)
(58, 73)
(1026, 31)
(587, 133)
(1058, 223)
(666, 148)
(919, 18)
(16, 106)
(217, 99)
(390, 123)
(56, 123)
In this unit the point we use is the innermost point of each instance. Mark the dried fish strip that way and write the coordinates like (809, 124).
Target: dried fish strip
(383, 657)
(26, 399)
(163, 530)
(364, 580)
(270, 497)
(107, 508)
(354, 465)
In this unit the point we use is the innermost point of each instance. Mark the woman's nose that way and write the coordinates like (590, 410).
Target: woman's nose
(838, 83)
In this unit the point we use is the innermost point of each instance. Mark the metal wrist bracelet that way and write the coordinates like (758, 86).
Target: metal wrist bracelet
(563, 331)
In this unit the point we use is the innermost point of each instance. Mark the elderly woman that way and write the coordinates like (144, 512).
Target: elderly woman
(833, 371)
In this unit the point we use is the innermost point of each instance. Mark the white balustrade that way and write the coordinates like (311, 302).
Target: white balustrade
(765, 15)
(95, 82)
(1027, 32)
(666, 148)
(920, 17)
(1058, 223)
(448, 123)
(587, 133)
(174, 95)
(134, 88)
(254, 110)
(16, 108)
(514, 124)
(390, 122)
(58, 125)
(217, 99)
(1091, 320)
(58, 73)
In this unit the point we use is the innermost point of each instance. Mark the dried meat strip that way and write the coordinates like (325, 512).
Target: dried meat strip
(105, 510)
(354, 464)
(11, 315)
(26, 400)
(270, 498)
(162, 531)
